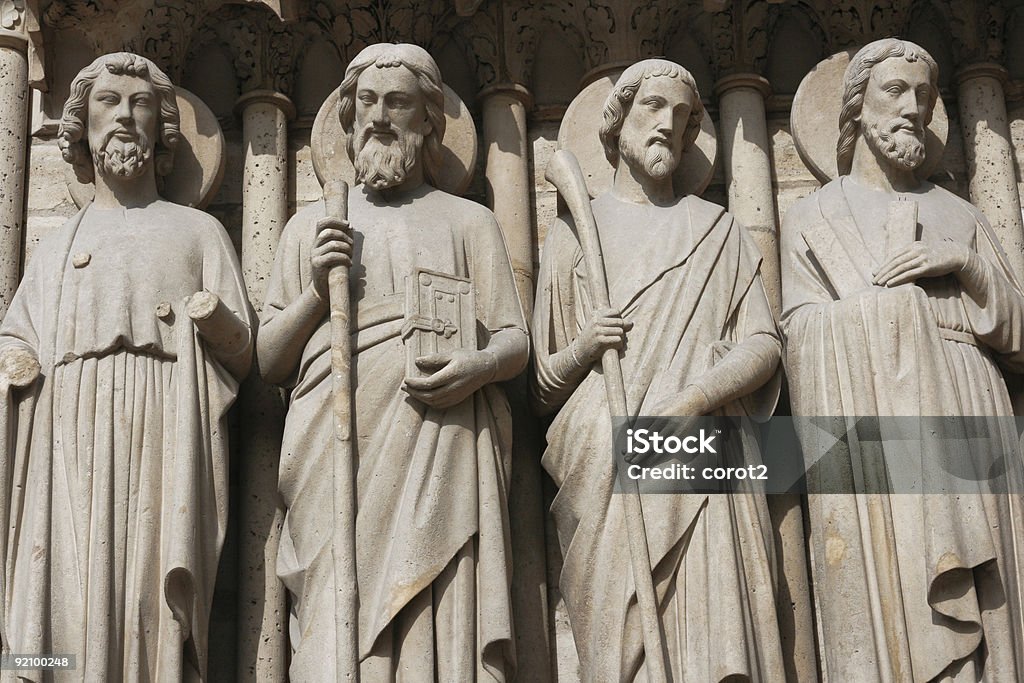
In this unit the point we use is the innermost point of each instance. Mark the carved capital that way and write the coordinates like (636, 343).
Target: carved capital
(259, 96)
(514, 90)
(983, 70)
(743, 80)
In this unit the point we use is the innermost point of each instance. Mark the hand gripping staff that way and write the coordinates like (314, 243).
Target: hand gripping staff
(564, 173)
(343, 539)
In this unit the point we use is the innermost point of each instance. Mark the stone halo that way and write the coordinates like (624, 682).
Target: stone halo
(329, 142)
(578, 134)
(814, 120)
(198, 159)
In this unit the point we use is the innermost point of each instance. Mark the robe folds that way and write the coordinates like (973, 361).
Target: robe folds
(432, 529)
(908, 587)
(687, 278)
(115, 460)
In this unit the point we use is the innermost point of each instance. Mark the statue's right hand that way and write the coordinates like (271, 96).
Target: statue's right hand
(18, 367)
(605, 330)
(332, 247)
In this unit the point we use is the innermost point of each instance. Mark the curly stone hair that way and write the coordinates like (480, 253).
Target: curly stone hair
(616, 107)
(422, 65)
(71, 136)
(855, 82)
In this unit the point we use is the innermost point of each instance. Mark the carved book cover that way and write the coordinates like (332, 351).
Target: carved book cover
(440, 316)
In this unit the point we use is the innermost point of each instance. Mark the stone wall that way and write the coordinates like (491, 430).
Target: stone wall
(223, 49)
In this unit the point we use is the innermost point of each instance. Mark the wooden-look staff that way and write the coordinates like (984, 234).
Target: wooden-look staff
(343, 537)
(565, 174)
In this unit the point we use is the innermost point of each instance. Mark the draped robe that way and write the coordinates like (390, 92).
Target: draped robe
(433, 562)
(907, 587)
(687, 278)
(115, 460)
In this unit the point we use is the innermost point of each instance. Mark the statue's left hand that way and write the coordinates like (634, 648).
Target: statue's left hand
(922, 259)
(455, 377)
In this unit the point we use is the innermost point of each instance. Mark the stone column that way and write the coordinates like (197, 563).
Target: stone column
(993, 183)
(14, 102)
(748, 173)
(508, 177)
(508, 194)
(262, 617)
(748, 169)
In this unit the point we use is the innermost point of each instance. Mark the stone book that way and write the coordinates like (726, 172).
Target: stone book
(440, 316)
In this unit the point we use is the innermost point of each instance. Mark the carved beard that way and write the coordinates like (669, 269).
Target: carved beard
(386, 164)
(656, 159)
(903, 147)
(124, 158)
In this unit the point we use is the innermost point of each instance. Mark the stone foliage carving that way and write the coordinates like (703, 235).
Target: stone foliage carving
(898, 301)
(12, 13)
(119, 359)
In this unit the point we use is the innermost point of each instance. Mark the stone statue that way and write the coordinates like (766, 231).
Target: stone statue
(432, 432)
(898, 301)
(696, 335)
(128, 335)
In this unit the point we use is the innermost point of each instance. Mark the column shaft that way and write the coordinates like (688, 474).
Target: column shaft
(748, 173)
(14, 101)
(508, 178)
(748, 170)
(262, 617)
(993, 182)
(508, 193)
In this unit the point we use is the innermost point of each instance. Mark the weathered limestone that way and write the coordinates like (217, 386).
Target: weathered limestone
(990, 167)
(14, 103)
(430, 433)
(748, 172)
(265, 116)
(748, 169)
(677, 269)
(261, 597)
(508, 193)
(508, 177)
(896, 302)
(114, 479)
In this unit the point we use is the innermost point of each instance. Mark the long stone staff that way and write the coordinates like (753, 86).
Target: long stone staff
(564, 173)
(343, 539)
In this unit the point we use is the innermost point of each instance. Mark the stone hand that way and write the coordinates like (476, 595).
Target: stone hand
(332, 247)
(605, 330)
(455, 377)
(922, 259)
(18, 368)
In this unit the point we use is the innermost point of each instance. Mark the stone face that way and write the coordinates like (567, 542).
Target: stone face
(878, 268)
(121, 444)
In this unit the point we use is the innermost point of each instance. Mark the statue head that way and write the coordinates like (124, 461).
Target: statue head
(651, 116)
(889, 94)
(121, 115)
(392, 107)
